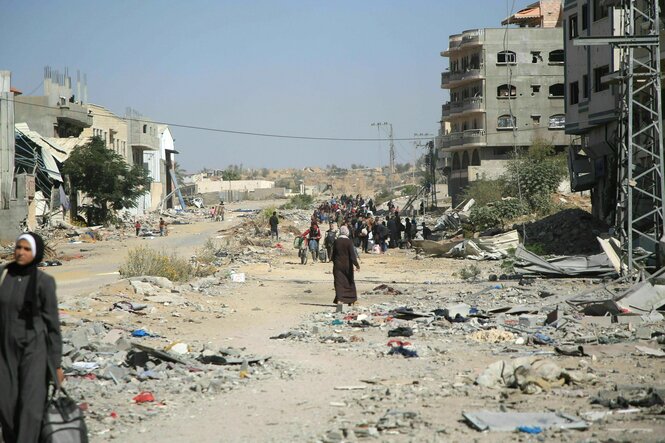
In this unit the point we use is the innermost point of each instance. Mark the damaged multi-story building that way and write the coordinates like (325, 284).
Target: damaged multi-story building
(39, 132)
(593, 99)
(506, 89)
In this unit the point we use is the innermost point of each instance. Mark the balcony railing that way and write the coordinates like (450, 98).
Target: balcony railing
(445, 109)
(474, 137)
(474, 36)
(474, 104)
(453, 139)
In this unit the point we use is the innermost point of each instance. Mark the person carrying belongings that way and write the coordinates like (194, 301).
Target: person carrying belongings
(30, 342)
(313, 236)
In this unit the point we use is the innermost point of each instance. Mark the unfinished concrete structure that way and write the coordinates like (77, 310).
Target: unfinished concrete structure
(506, 90)
(61, 111)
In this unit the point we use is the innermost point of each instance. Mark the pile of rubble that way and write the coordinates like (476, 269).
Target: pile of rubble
(123, 373)
(533, 329)
(568, 232)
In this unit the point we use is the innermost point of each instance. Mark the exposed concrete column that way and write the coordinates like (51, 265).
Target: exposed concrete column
(6, 139)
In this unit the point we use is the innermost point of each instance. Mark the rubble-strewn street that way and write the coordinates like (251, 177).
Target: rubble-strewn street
(423, 349)
(332, 222)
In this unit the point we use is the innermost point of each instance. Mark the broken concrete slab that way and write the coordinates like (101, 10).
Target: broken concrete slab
(510, 421)
(643, 298)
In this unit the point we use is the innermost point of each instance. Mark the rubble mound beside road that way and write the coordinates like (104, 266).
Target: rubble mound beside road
(569, 232)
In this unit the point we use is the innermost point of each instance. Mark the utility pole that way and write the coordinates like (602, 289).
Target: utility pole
(417, 144)
(6, 139)
(392, 148)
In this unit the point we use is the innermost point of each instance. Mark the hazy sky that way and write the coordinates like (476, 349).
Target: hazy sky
(298, 67)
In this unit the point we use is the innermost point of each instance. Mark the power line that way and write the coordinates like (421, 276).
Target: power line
(231, 131)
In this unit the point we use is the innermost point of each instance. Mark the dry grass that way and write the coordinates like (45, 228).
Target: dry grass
(146, 261)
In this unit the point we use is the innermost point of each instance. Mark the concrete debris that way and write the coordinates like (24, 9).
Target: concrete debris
(511, 421)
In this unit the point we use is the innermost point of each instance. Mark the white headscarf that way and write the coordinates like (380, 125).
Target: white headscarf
(344, 231)
(30, 239)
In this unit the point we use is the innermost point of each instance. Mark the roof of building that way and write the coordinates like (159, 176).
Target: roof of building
(542, 14)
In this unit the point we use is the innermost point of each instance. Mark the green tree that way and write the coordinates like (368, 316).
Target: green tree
(536, 174)
(109, 182)
(231, 173)
(179, 172)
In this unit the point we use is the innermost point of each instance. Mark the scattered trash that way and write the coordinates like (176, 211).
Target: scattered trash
(402, 331)
(144, 397)
(398, 347)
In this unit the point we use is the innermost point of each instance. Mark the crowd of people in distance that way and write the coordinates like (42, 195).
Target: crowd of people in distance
(368, 232)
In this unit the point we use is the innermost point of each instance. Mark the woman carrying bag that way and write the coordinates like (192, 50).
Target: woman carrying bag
(30, 341)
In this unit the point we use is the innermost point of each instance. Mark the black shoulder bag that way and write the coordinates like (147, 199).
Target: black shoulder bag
(63, 420)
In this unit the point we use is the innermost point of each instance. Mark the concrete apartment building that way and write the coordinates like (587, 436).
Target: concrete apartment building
(592, 102)
(110, 128)
(502, 94)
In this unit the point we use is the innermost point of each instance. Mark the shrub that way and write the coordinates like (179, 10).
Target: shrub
(264, 216)
(383, 196)
(485, 191)
(142, 261)
(496, 214)
(471, 272)
(300, 201)
(536, 174)
(484, 217)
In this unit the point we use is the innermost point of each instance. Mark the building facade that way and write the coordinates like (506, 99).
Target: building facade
(592, 102)
(506, 89)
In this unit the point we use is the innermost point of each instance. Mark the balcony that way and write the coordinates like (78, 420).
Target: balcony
(144, 141)
(445, 110)
(458, 109)
(475, 104)
(456, 79)
(473, 37)
(452, 140)
(454, 43)
(474, 137)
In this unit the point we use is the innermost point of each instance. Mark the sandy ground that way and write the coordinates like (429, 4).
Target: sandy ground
(279, 297)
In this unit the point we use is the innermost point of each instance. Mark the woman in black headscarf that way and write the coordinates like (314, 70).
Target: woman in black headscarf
(30, 341)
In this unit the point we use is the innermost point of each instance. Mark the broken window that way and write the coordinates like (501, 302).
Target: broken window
(574, 93)
(557, 90)
(557, 121)
(536, 57)
(536, 119)
(585, 86)
(585, 17)
(572, 27)
(506, 91)
(506, 122)
(598, 75)
(557, 56)
(535, 89)
(600, 9)
(506, 58)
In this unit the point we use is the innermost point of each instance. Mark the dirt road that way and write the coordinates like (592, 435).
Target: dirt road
(329, 387)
